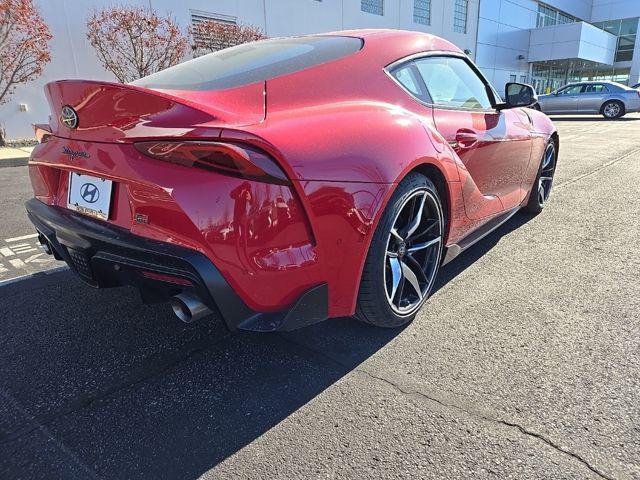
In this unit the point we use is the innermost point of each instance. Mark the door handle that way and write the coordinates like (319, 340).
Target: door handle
(466, 139)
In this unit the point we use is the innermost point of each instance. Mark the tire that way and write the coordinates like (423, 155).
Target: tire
(540, 190)
(612, 109)
(536, 106)
(408, 240)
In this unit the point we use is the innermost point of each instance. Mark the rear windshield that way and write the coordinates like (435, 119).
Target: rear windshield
(251, 62)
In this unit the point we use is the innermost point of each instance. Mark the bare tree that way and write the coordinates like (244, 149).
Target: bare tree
(211, 35)
(132, 42)
(24, 46)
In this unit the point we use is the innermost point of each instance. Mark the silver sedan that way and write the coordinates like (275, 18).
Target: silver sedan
(610, 99)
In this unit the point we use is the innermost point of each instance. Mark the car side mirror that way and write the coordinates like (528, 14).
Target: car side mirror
(519, 95)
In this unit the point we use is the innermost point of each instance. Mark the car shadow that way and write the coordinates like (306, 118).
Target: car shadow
(94, 381)
(467, 258)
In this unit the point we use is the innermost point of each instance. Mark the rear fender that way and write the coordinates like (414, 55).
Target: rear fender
(612, 97)
(361, 141)
(346, 161)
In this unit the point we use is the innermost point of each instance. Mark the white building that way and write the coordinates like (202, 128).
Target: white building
(546, 44)
(555, 42)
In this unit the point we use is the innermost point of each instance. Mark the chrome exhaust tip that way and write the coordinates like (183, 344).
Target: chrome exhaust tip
(188, 307)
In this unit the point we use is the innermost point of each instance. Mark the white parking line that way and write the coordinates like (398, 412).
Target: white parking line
(22, 254)
(17, 263)
(23, 248)
(9, 281)
(35, 259)
(23, 237)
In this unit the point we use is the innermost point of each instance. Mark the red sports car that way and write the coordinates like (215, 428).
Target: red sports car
(282, 182)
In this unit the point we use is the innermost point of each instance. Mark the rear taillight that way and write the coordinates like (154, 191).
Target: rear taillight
(229, 159)
(43, 132)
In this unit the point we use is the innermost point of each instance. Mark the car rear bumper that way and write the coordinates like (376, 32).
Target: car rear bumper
(104, 255)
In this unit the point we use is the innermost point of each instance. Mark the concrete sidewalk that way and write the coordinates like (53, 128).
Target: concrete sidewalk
(14, 157)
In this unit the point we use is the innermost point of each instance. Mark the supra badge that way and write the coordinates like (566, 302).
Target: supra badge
(69, 117)
(73, 154)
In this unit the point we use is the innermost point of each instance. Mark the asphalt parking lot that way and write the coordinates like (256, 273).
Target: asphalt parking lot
(524, 364)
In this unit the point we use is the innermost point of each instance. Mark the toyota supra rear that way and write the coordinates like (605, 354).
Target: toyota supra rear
(282, 182)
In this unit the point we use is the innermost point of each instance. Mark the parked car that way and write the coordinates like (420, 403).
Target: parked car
(610, 99)
(282, 182)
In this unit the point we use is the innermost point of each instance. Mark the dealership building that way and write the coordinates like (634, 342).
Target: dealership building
(547, 44)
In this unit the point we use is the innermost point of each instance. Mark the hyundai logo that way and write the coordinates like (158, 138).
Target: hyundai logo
(69, 117)
(89, 193)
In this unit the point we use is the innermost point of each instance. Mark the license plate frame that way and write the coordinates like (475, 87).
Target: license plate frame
(90, 195)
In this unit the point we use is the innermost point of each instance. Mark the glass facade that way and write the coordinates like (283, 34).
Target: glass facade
(460, 16)
(422, 12)
(375, 7)
(548, 16)
(549, 76)
(626, 31)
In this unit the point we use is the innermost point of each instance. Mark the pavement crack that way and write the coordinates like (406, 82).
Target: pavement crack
(557, 447)
(475, 414)
(486, 418)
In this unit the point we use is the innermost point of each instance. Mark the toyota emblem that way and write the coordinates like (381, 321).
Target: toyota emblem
(69, 117)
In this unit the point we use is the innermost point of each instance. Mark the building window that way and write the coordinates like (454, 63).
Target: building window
(198, 16)
(513, 78)
(523, 79)
(422, 12)
(563, 18)
(626, 30)
(624, 50)
(548, 76)
(375, 7)
(203, 40)
(460, 16)
(548, 16)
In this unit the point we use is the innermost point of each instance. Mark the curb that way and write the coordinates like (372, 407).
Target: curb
(14, 162)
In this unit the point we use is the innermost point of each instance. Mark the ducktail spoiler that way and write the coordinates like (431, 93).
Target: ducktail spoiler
(115, 112)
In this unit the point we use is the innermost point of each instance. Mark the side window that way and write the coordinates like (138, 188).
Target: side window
(595, 89)
(451, 82)
(571, 90)
(409, 79)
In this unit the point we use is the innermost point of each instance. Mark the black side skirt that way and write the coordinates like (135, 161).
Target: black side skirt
(457, 248)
